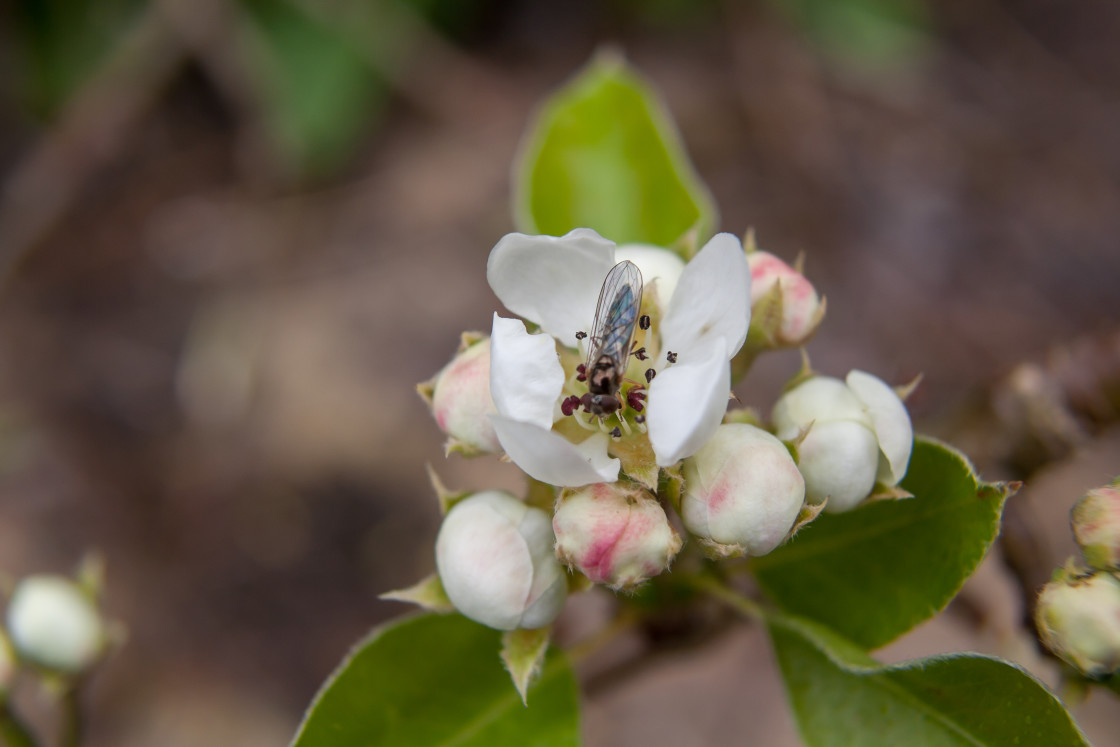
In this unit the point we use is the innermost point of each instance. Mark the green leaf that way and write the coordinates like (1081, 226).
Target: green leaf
(437, 680)
(318, 89)
(603, 153)
(840, 696)
(874, 573)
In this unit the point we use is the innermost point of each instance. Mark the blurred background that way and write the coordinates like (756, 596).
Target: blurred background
(235, 233)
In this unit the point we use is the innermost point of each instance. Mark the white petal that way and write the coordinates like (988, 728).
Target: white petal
(891, 422)
(549, 457)
(821, 399)
(712, 299)
(551, 281)
(687, 402)
(526, 377)
(657, 265)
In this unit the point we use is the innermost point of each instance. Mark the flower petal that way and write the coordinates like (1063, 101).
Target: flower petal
(712, 299)
(551, 281)
(687, 402)
(526, 377)
(547, 456)
(657, 264)
(892, 424)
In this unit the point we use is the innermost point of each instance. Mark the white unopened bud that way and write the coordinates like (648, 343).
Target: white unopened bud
(742, 491)
(54, 624)
(859, 433)
(1095, 519)
(1078, 618)
(661, 268)
(459, 396)
(784, 305)
(614, 534)
(495, 559)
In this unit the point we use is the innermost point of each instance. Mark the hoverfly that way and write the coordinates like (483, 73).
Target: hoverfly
(615, 316)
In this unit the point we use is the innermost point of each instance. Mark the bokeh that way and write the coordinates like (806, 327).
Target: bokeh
(235, 233)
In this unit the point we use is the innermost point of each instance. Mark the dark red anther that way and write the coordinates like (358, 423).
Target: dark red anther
(671, 357)
(650, 373)
(570, 404)
(581, 335)
(640, 354)
(636, 398)
(644, 321)
(581, 372)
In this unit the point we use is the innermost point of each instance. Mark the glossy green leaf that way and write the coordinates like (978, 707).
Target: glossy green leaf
(437, 680)
(316, 84)
(874, 573)
(603, 153)
(842, 697)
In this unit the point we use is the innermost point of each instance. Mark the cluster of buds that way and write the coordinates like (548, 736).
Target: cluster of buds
(613, 399)
(1078, 611)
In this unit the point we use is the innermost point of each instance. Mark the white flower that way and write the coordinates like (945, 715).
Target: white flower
(54, 624)
(554, 282)
(495, 559)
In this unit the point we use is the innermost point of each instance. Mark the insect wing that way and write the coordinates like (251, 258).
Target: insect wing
(616, 314)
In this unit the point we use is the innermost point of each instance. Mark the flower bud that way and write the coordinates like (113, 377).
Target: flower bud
(459, 396)
(1095, 519)
(742, 491)
(1078, 618)
(615, 535)
(784, 306)
(495, 559)
(859, 433)
(54, 624)
(839, 455)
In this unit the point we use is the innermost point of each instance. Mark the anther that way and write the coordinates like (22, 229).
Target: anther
(570, 404)
(644, 321)
(636, 399)
(671, 357)
(650, 373)
(581, 335)
(616, 433)
(640, 354)
(639, 419)
(581, 372)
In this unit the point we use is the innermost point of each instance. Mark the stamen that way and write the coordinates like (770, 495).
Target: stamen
(622, 421)
(604, 429)
(640, 354)
(616, 433)
(644, 322)
(671, 356)
(570, 404)
(585, 424)
(636, 397)
(650, 373)
(581, 372)
(640, 419)
(581, 335)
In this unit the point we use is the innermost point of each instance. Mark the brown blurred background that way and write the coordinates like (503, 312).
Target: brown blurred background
(235, 233)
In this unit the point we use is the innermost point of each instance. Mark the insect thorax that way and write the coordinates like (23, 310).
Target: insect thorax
(603, 377)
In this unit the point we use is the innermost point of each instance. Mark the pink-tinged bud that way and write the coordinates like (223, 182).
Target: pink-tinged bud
(1095, 519)
(459, 396)
(495, 559)
(785, 307)
(1078, 618)
(614, 534)
(742, 491)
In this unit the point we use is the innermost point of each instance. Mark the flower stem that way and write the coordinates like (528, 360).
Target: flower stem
(70, 704)
(13, 732)
(745, 606)
(588, 646)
